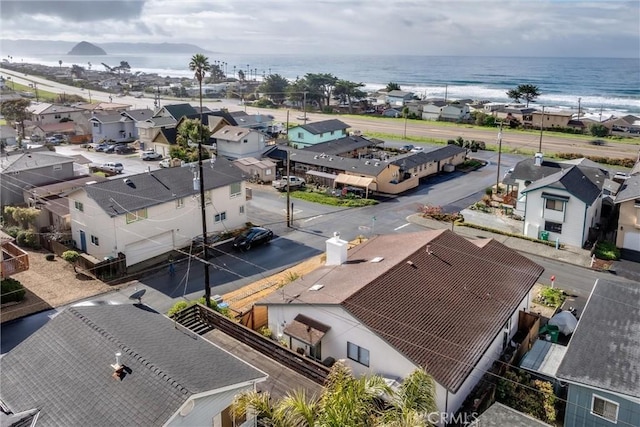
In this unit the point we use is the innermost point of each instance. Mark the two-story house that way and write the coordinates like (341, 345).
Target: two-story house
(118, 127)
(628, 202)
(455, 112)
(397, 98)
(564, 206)
(398, 302)
(106, 365)
(19, 170)
(314, 133)
(235, 142)
(149, 214)
(149, 129)
(433, 110)
(602, 364)
(44, 113)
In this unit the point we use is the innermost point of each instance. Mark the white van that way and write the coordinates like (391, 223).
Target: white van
(112, 167)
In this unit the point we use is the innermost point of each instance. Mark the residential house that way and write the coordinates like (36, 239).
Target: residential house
(99, 107)
(120, 365)
(518, 114)
(394, 112)
(149, 214)
(602, 362)
(415, 107)
(399, 302)
(398, 98)
(68, 129)
(627, 124)
(149, 129)
(177, 111)
(433, 110)
(260, 170)
(112, 127)
(258, 122)
(432, 161)
(352, 146)
(531, 170)
(565, 206)
(550, 119)
(455, 112)
(315, 133)
(32, 168)
(8, 136)
(628, 202)
(44, 113)
(163, 140)
(235, 142)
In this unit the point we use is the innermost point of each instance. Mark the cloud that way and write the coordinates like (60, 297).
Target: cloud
(424, 27)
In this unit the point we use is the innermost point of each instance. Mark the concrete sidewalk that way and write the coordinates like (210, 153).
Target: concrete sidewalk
(568, 254)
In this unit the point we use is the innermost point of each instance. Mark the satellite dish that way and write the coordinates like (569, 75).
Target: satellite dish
(138, 295)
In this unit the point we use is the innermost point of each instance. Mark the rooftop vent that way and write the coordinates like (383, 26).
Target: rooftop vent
(316, 287)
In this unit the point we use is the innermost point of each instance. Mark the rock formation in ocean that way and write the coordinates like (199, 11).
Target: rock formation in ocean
(86, 48)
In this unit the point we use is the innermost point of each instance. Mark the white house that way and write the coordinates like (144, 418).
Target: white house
(398, 302)
(44, 113)
(455, 112)
(564, 205)
(397, 98)
(149, 214)
(235, 142)
(433, 110)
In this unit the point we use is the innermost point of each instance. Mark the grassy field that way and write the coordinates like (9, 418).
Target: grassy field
(43, 95)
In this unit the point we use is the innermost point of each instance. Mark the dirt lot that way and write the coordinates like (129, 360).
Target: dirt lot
(50, 284)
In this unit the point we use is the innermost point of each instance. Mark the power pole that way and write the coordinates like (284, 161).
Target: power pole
(499, 155)
(541, 127)
(288, 188)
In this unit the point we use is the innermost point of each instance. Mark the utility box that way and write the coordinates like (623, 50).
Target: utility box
(544, 235)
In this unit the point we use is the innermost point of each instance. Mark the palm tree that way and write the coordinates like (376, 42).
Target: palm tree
(60, 63)
(346, 401)
(199, 64)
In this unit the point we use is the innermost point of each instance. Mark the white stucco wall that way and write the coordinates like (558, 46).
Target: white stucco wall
(575, 219)
(184, 222)
(253, 147)
(384, 360)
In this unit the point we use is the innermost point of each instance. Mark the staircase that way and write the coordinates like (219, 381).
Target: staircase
(190, 318)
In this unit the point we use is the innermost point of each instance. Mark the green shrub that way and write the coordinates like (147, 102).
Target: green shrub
(13, 231)
(28, 238)
(266, 332)
(11, 290)
(607, 251)
(177, 307)
(551, 297)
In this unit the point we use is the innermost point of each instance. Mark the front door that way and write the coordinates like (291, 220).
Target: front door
(83, 241)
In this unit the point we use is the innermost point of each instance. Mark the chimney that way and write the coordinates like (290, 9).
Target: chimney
(538, 159)
(336, 250)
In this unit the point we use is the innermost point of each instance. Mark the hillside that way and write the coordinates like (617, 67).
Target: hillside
(86, 48)
(59, 47)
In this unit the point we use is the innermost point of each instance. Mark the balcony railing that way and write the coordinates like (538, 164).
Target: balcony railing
(14, 260)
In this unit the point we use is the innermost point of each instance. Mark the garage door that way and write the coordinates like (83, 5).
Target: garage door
(149, 248)
(631, 241)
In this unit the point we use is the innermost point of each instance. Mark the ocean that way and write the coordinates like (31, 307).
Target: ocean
(600, 86)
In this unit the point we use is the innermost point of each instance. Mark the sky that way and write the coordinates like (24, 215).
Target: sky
(544, 28)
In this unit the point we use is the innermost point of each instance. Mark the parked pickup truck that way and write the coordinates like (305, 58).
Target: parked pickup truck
(293, 182)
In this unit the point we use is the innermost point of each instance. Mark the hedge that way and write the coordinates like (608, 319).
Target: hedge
(11, 290)
(504, 233)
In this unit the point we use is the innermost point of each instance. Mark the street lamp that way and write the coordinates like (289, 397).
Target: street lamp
(499, 154)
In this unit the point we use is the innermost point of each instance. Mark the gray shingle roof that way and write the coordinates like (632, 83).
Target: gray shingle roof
(117, 197)
(583, 182)
(630, 189)
(19, 161)
(342, 145)
(434, 155)
(324, 126)
(64, 369)
(499, 415)
(139, 115)
(418, 297)
(604, 351)
(109, 117)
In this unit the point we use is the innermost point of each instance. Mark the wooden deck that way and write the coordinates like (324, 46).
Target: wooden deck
(281, 381)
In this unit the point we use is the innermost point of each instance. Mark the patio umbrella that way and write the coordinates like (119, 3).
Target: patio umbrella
(565, 321)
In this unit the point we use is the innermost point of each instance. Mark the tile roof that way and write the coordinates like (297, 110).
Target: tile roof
(583, 182)
(419, 297)
(604, 350)
(117, 197)
(630, 190)
(64, 368)
(324, 126)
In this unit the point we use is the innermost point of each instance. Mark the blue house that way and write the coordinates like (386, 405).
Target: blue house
(315, 133)
(602, 364)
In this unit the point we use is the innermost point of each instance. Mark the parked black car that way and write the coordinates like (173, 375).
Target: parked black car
(252, 237)
(124, 149)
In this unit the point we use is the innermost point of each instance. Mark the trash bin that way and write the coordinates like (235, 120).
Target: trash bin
(544, 235)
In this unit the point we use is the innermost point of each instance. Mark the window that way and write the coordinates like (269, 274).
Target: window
(138, 215)
(267, 171)
(241, 209)
(220, 216)
(556, 205)
(94, 240)
(179, 203)
(300, 135)
(57, 116)
(604, 408)
(554, 227)
(357, 353)
(96, 124)
(79, 206)
(245, 140)
(235, 189)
